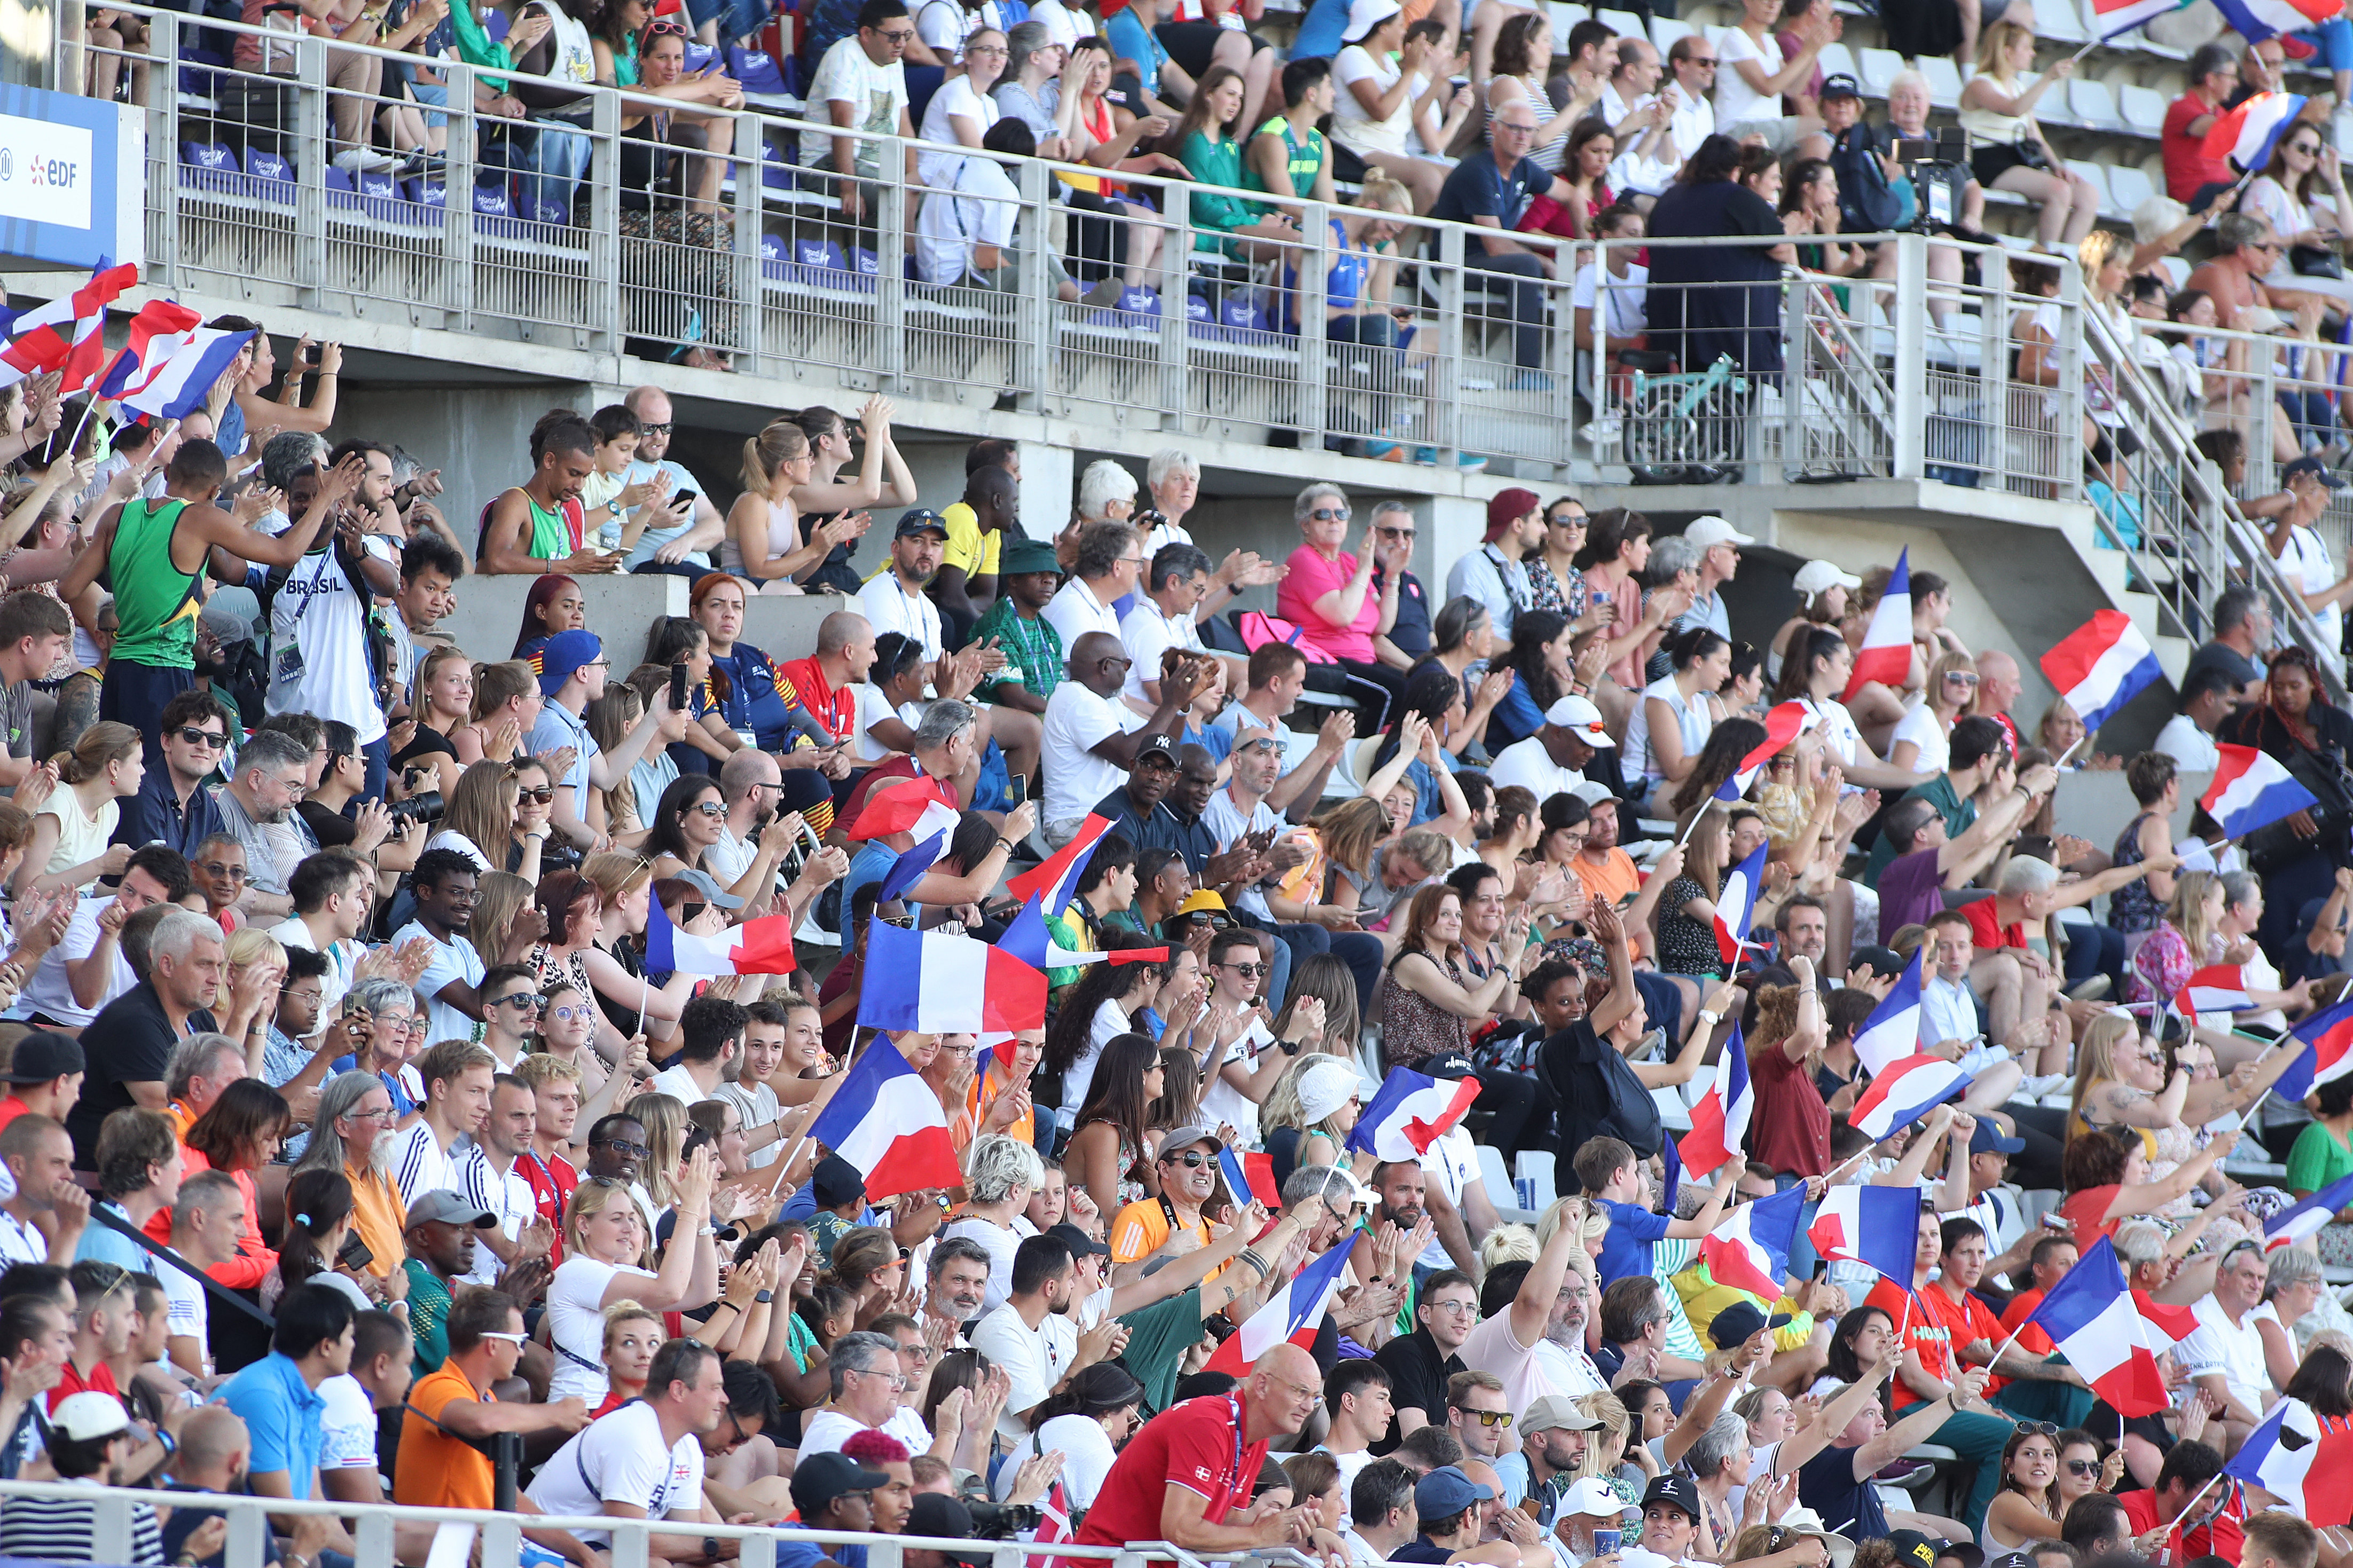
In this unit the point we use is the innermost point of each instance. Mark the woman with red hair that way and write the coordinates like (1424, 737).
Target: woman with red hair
(553, 604)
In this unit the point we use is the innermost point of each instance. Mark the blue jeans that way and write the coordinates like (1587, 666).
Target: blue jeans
(2334, 40)
(550, 170)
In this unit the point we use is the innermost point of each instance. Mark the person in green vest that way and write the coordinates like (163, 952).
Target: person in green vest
(1204, 145)
(541, 519)
(1288, 153)
(153, 552)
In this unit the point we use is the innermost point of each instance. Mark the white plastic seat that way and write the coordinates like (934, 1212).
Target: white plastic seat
(1498, 1183)
(1625, 23)
(1666, 33)
(2177, 269)
(1565, 17)
(2098, 177)
(1836, 59)
(1878, 70)
(1537, 1168)
(2142, 109)
(2128, 187)
(2057, 19)
(2094, 104)
(1944, 80)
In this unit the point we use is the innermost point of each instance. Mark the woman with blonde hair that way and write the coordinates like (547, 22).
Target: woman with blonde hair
(633, 1332)
(764, 538)
(1349, 832)
(497, 895)
(615, 962)
(1922, 739)
(2181, 943)
(664, 1120)
(479, 816)
(2010, 151)
(507, 701)
(1310, 1112)
(444, 689)
(72, 828)
(605, 1242)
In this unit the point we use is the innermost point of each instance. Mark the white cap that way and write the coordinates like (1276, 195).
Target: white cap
(89, 1415)
(1591, 794)
(1326, 1086)
(1816, 578)
(1593, 1498)
(1573, 712)
(1705, 533)
(1364, 16)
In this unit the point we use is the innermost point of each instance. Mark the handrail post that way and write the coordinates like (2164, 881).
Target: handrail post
(2069, 480)
(1033, 307)
(1797, 362)
(1314, 369)
(458, 197)
(1993, 366)
(1446, 398)
(162, 201)
(1562, 395)
(751, 225)
(605, 220)
(1911, 379)
(1175, 324)
(890, 267)
(312, 144)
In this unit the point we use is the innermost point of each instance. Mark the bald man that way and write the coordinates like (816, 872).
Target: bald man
(1186, 1476)
(1092, 737)
(1999, 687)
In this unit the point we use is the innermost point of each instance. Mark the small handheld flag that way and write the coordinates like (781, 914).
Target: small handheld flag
(1886, 653)
(1720, 1121)
(2327, 1037)
(2249, 134)
(1411, 1112)
(1291, 1315)
(2251, 790)
(1893, 1030)
(1750, 1248)
(2259, 20)
(943, 983)
(885, 1119)
(2101, 665)
(1906, 1091)
(1736, 906)
(2092, 1320)
(1057, 876)
(1876, 1226)
(763, 946)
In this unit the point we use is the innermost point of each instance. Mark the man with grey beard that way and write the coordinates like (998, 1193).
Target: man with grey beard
(959, 1284)
(350, 1135)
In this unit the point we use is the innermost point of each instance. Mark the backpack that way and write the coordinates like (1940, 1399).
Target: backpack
(1598, 1092)
(1867, 204)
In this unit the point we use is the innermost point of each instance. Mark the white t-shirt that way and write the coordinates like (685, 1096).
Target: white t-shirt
(347, 1425)
(186, 1310)
(956, 97)
(1839, 732)
(1735, 101)
(342, 959)
(620, 1459)
(50, 992)
(1529, 765)
(2236, 1352)
(419, 1163)
(678, 1084)
(756, 1106)
(318, 629)
(889, 607)
(2306, 561)
(846, 76)
(1529, 1372)
(2191, 748)
(453, 960)
(1624, 301)
(575, 1323)
(1351, 126)
(1034, 1360)
(19, 1242)
(827, 1430)
(79, 838)
(1452, 1166)
(1221, 1101)
(1000, 1244)
(507, 1195)
(1087, 1457)
(1145, 634)
(1074, 611)
(1920, 726)
(1060, 28)
(944, 26)
(1077, 720)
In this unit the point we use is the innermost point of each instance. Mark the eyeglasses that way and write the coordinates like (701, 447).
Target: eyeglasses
(312, 997)
(984, 49)
(894, 35)
(1458, 1307)
(211, 740)
(1489, 1417)
(1331, 514)
(226, 873)
(897, 1382)
(527, 1000)
(1396, 533)
(565, 1014)
(622, 1146)
(1192, 1158)
(2082, 1467)
(518, 1341)
(740, 1438)
(386, 1114)
(544, 795)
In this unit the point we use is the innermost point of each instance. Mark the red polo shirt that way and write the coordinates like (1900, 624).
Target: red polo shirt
(551, 1181)
(836, 711)
(2187, 167)
(1979, 913)
(2220, 1537)
(1197, 1446)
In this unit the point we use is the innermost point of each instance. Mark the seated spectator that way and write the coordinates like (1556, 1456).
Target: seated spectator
(2301, 195)
(2191, 178)
(1390, 83)
(861, 82)
(1491, 189)
(541, 519)
(1204, 142)
(2010, 151)
(2108, 1181)
(1522, 56)
(1428, 1002)
(1809, 205)
(1327, 593)
(90, 1438)
(86, 969)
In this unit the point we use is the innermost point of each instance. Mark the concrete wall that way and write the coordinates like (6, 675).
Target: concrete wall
(479, 438)
(621, 610)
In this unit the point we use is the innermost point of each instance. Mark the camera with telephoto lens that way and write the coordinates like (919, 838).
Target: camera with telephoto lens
(1939, 165)
(425, 807)
(998, 1520)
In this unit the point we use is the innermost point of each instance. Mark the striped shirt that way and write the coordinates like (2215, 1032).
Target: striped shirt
(61, 1529)
(419, 1163)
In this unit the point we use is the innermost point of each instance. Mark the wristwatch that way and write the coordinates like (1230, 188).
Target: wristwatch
(765, 1297)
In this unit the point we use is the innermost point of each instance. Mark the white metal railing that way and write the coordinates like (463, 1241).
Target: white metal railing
(371, 1526)
(243, 201)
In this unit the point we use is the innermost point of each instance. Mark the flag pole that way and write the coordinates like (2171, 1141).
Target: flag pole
(2070, 751)
(74, 440)
(2193, 1501)
(2077, 57)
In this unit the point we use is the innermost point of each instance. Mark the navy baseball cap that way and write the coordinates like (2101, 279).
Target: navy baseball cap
(1446, 1491)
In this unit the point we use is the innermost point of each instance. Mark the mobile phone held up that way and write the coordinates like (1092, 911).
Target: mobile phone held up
(676, 686)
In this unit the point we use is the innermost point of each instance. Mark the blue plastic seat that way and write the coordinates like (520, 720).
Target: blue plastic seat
(269, 176)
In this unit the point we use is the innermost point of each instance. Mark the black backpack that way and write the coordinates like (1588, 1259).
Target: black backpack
(1866, 204)
(1598, 1092)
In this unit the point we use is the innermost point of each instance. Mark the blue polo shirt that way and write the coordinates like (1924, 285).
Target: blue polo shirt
(1411, 634)
(1626, 1248)
(281, 1415)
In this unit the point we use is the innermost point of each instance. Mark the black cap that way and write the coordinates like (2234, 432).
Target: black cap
(1677, 1491)
(1911, 1546)
(941, 1517)
(819, 1478)
(1454, 1064)
(1839, 85)
(1081, 1243)
(2310, 464)
(42, 1055)
(1738, 1323)
(919, 519)
(835, 1181)
(1882, 960)
(1164, 744)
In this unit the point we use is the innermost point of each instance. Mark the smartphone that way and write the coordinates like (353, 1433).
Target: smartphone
(676, 686)
(354, 1254)
(310, 355)
(685, 498)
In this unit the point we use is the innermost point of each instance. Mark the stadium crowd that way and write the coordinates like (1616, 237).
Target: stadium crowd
(363, 1115)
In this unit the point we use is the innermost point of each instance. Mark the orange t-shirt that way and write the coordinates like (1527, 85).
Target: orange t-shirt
(1924, 1332)
(2032, 1338)
(1616, 877)
(435, 1469)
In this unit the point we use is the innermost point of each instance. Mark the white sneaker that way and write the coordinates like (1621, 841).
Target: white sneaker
(2037, 1088)
(357, 161)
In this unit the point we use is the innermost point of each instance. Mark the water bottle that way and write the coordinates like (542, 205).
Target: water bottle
(1527, 1188)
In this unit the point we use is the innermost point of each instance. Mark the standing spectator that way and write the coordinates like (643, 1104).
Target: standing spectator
(2241, 641)
(1741, 318)
(2205, 699)
(1752, 75)
(323, 611)
(2191, 178)
(1491, 189)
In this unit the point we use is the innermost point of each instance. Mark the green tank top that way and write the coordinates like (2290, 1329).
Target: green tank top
(155, 601)
(1304, 159)
(550, 534)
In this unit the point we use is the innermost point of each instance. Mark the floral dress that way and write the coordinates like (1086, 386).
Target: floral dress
(1549, 592)
(1131, 1189)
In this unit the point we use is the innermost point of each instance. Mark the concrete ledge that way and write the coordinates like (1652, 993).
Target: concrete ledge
(621, 609)
(2097, 805)
(783, 626)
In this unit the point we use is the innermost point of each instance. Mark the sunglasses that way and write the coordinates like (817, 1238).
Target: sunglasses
(226, 873)
(2037, 1429)
(663, 429)
(518, 1341)
(1331, 514)
(2082, 1467)
(1192, 1158)
(710, 808)
(527, 1000)
(1489, 1417)
(211, 740)
(544, 795)
(1248, 971)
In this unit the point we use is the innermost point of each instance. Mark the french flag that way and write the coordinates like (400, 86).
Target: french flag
(763, 946)
(2091, 1318)
(1784, 723)
(2305, 1221)
(1411, 1112)
(944, 983)
(1292, 1314)
(1906, 1091)
(922, 812)
(2247, 135)
(2327, 1037)
(1876, 1226)
(1057, 876)
(1886, 652)
(2114, 17)
(2162, 1326)
(2257, 20)
(2101, 665)
(1750, 1248)
(2281, 1453)
(885, 1119)
(2217, 988)
(65, 335)
(1720, 1119)
(1735, 905)
(1027, 938)
(2251, 790)
(1892, 1031)
(1250, 1176)
(160, 329)
(910, 866)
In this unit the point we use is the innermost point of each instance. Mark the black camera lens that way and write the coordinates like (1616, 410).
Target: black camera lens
(425, 807)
